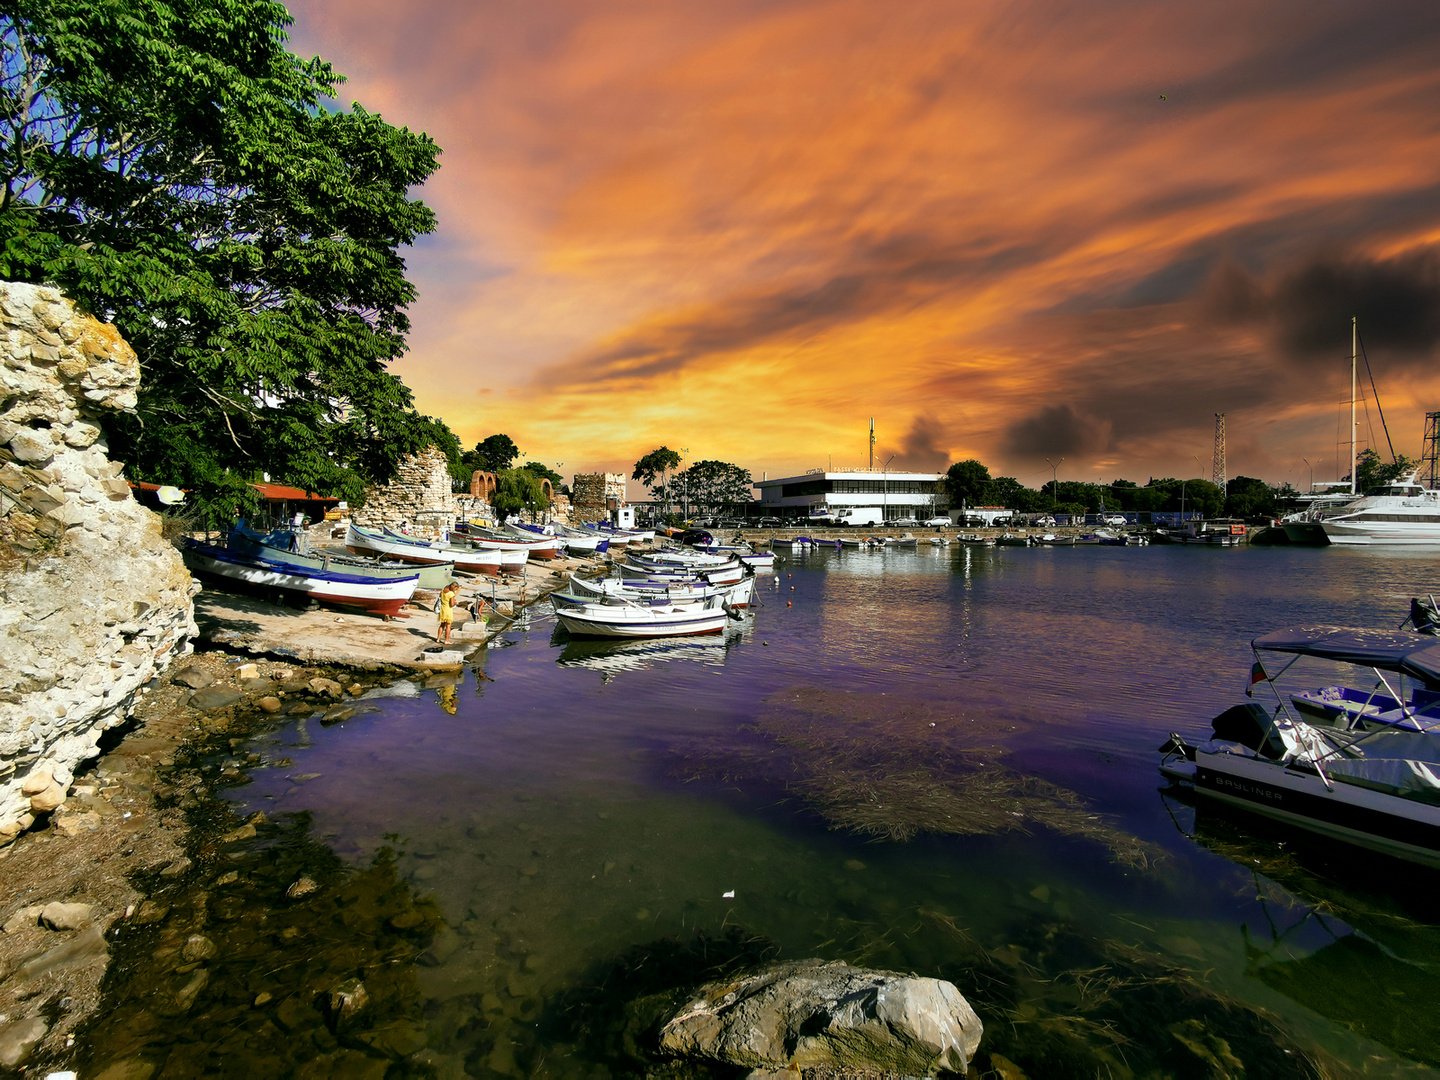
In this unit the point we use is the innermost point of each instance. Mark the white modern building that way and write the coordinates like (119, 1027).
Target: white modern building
(894, 494)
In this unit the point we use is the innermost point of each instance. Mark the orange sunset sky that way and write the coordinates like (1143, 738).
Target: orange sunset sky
(1005, 230)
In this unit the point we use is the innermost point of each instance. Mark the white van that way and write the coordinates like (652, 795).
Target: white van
(858, 515)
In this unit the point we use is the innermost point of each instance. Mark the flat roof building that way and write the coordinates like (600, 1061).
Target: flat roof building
(895, 494)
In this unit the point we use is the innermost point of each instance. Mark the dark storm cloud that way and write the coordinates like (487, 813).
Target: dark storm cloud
(1055, 430)
(924, 448)
(1396, 300)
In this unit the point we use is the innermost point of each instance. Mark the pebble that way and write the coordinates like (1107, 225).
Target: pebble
(58, 916)
(23, 919)
(194, 677)
(198, 947)
(18, 1038)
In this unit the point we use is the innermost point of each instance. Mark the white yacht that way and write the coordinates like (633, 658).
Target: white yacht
(1403, 512)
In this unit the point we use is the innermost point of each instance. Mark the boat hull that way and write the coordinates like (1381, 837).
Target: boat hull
(1400, 827)
(628, 622)
(334, 590)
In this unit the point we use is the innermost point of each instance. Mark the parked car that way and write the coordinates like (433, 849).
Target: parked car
(940, 520)
(905, 521)
(768, 522)
(1112, 519)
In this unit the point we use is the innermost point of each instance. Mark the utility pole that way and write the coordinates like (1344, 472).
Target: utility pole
(1055, 482)
(1217, 468)
(1354, 353)
(872, 445)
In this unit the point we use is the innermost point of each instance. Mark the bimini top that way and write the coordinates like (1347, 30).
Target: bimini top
(1415, 655)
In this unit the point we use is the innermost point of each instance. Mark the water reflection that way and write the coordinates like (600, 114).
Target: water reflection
(1341, 931)
(612, 657)
(553, 823)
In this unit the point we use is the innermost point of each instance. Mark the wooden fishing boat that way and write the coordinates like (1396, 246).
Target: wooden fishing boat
(275, 546)
(641, 620)
(248, 573)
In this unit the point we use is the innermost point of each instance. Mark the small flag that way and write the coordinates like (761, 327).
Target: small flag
(1257, 674)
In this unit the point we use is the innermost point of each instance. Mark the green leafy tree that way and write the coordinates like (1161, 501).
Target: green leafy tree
(177, 171)
(654, 466)
(1371, 472)
(713, 485)
(517, 490)
(1247, 497)
(544, 472)
(966, 482)
(493, 454)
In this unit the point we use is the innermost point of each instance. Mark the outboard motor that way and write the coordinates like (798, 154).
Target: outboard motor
(1424, 615)
(1250, 725)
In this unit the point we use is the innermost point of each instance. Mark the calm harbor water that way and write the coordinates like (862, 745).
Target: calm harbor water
(940, 760)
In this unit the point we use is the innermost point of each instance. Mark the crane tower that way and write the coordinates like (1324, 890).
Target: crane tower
(1217, 471)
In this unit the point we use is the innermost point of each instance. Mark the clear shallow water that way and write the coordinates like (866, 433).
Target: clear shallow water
(582, 800)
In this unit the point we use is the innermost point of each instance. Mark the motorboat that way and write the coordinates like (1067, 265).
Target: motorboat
(471, 558)
(277, 546)
(1404, 512)
(535, 547)
(1366, 772)
(716, 574)
(737, 595)
(1212, 532)
(578, 544)
(249, 573)
(1013, 540)
(364, 542)
(634, 620)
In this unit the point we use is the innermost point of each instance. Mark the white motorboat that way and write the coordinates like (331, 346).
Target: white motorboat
(726, 574)
(1404, 512)
(737, 595)
(364, 542)
(643, 620)
(535, 547)
(1370, 777)
(378, 596)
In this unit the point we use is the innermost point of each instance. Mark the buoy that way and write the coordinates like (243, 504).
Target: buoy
(789, 603)
(792, 588)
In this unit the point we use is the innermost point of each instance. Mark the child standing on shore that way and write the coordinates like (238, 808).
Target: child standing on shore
(447, 612)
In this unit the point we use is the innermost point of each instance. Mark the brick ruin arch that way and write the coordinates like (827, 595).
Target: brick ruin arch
(482, 485)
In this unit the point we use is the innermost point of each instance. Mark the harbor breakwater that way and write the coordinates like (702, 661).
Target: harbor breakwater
(93, 601)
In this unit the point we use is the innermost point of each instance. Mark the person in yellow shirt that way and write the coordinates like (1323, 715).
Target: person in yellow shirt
(447, 612)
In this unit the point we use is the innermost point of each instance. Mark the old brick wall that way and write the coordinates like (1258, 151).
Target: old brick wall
(419, 497)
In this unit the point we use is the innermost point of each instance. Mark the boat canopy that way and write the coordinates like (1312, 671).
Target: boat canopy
(1410, 654)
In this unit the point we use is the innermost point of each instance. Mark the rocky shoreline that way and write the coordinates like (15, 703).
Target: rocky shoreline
(138, 849)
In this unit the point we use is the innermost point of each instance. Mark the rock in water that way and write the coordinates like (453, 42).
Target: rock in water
(813, 1014)
(212, 698)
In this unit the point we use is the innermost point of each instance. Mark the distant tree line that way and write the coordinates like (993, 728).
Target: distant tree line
(969, 483)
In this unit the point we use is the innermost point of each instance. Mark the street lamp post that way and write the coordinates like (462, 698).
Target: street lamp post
(1312, 474)
(1054, 482)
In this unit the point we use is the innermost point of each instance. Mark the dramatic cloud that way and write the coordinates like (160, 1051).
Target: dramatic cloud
(924, 449)
(1056, 431)
(749, 227)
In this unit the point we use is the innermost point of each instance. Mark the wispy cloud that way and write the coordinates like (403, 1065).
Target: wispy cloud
(1002, 229)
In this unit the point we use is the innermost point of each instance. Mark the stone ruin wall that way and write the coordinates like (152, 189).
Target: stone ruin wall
(419, 496)
(93, 600)
(593, 495)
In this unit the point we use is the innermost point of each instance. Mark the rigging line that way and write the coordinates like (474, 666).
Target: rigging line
(1371, 374)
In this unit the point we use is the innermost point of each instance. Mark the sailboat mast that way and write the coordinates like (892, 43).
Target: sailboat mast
(1354, 349)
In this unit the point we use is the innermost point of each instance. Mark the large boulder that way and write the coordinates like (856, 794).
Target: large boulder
(814, 1014)
(93, 600)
